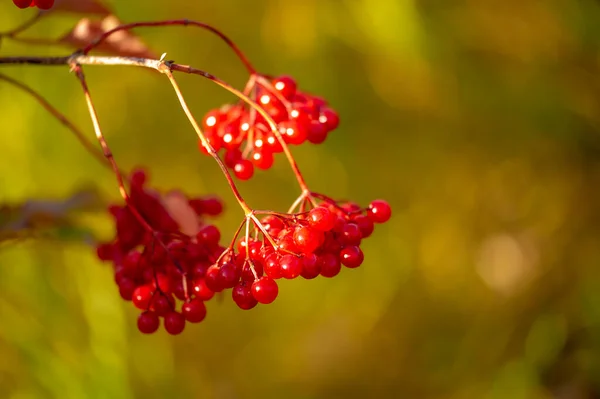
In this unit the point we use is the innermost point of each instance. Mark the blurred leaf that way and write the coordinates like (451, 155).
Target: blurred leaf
(48, 218)
(122, 43)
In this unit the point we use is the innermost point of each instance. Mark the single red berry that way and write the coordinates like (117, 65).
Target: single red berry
(174, 323)
(307, 239)
(365, 225)
(379, 211)
(44, 4)
(201, 290)
(330, 118)
(242, 296)
(330, 265)
(213, 280)
(311, 267)
(291, 266)
(273, 267)
(22, 3)
(229, 275)
(352, 256)
(162, 304)
(232, 157)
(126, 288)
(286, 85)
(194, 311)
(350, 234)
(148, 322)
(265, 290)
(209, 235)
(243, 169)
(321, 218)
(141, 296)
(263, 159)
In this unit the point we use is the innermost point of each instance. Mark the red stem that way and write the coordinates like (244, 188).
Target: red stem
(174, 22)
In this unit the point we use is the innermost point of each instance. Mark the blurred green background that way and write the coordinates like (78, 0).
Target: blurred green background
(479, 122)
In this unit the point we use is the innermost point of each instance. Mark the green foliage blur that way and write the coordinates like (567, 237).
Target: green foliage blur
(478, 120)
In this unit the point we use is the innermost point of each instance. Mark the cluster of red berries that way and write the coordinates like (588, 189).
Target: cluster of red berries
(41, 4)
(245, 135)
(307, 244)
(157, 266)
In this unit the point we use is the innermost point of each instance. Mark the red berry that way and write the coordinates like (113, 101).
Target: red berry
(194, 311)
(321, 218)
(330, 265)
(350, 234)
(307, 240)
(273, 267)
(365, 225)
(263, 159)
(379, 211)
(162, 304)
(201, 290)
(265, 290)
(148, 322)
(285, 85)
(126, 288)
(242, 296)
(174, 323)
(291, 266)
(330, 118)
(243, 169)
(310, 266)
(352, 256)
(44, 4)
(141, 296)
(22, 3)
(209, 235)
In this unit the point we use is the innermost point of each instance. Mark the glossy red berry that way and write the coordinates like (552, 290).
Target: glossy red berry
(174, 323)
(242, 296)
(291, 266)
(22, 3)
(243, 169)
(379, 211)
(265, 290)
(44, 4)
(307, 239)
(285, 85)
(330, 265)
(141, 296)
(194, 311)
(351, 256)
(148, 322)
(321, 218)
(201, 290)
(162, 304)
(310, 266)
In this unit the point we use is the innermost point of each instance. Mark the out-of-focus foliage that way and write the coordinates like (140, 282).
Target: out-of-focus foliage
(478, 120)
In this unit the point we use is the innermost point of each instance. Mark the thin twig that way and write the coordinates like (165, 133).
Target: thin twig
(61, 118)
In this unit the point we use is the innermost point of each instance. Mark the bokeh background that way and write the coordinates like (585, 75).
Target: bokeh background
(478, 121)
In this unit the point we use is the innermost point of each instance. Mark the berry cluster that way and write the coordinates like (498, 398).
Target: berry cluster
(306, 244)
(41, 4)
(245, 135)
(160, 262)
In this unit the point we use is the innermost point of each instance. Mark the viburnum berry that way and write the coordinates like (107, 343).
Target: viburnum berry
(265, 290)
(141, 296)
(351, 256)
(242, 296)
(194, 311)
(148, 322)
(44, 4)
(291, 266)
(379, 211)
(22, 3)
(174, 323)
